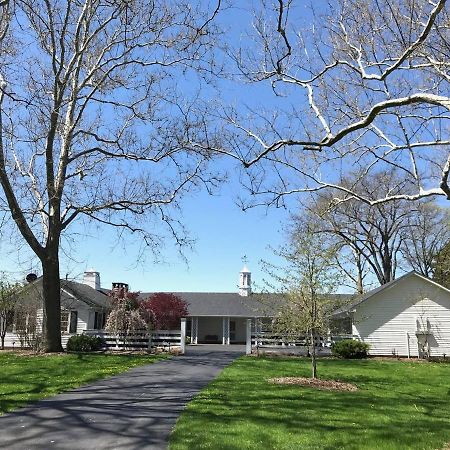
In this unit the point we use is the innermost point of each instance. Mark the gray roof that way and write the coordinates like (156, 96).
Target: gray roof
(232, 304)
(226, 304)
(79, 291)
(87, 294)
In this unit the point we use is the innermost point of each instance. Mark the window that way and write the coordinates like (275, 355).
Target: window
(64, 321)
(99, 320)
(22, 320)
(73, 322)
(341, 326)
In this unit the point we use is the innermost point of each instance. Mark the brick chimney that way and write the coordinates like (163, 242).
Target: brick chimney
(119, 287)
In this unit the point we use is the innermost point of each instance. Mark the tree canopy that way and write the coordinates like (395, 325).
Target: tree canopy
(356, 86)
(95, 122)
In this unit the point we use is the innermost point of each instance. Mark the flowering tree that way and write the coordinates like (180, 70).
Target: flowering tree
(125, 317)
(164, 311)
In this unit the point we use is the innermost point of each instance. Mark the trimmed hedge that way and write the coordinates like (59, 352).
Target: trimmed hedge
(84, 343)
(350, 349)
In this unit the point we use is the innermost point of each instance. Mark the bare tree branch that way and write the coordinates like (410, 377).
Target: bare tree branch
(360, 84)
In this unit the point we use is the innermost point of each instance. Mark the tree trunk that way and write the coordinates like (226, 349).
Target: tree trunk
(360, 276)
(51, 292)
(3, 327)
(386, 260)
(313, 354)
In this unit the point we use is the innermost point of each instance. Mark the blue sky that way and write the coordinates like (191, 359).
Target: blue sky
(223, 233)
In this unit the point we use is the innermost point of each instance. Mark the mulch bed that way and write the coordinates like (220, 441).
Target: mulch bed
(329, 385)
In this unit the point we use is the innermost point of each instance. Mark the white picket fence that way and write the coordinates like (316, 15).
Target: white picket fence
(139, 340)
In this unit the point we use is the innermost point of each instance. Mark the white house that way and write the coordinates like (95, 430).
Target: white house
(409, 316)
(220, 317)
(83, 306)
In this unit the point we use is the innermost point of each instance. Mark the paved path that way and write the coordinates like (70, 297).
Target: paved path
(134, 410)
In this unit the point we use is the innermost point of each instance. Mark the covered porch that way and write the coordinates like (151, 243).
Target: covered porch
(217, 329)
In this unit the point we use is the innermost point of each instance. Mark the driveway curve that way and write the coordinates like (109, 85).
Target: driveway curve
(134, 410)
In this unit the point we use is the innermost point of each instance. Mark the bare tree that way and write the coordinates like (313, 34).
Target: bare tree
(441, 266)
(306, 279)
(359, 85)
(426, 234)
(353, 265)
(375, 234)
(379, 239)
(95, 122)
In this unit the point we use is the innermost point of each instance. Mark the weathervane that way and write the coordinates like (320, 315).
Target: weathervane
(244, 259)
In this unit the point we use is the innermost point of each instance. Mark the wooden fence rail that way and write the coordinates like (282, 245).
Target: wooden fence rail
(267, 339)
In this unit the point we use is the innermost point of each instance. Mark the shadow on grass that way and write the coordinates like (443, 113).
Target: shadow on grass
(133, 410)
(26, 379)
(399, 405)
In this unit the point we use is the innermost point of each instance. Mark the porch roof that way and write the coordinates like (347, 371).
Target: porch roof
(221, 304)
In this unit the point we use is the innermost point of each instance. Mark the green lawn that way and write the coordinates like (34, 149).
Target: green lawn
(24, 379)
(399, 405)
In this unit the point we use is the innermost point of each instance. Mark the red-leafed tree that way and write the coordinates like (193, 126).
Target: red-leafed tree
(164, 311)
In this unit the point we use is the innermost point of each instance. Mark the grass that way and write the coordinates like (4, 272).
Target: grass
(399, 405)
(25, 379)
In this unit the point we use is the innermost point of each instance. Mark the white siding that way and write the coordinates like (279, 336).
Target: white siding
(83, 319)
(39, 320)
(384, 320)
(12, 340)
(86, 313)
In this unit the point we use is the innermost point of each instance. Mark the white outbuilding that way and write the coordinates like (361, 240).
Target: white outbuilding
(409, 316)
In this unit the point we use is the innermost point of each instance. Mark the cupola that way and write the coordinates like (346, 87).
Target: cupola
(245, 282)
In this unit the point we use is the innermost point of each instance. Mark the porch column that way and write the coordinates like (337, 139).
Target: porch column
(248, 346)
(194, 328)
(183, 336)
(226, 331)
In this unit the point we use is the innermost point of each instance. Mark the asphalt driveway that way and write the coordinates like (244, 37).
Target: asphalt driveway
(134, 410)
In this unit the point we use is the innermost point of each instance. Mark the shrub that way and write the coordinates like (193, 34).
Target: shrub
(84, 343)
(350, 349)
